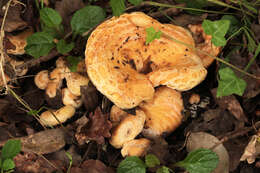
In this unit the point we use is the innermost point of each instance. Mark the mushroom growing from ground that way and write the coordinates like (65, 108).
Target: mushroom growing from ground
(127, 129)
(163, 112)
(125, 69)
(136, 147)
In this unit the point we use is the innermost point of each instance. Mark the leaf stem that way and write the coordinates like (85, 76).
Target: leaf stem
(218, 59)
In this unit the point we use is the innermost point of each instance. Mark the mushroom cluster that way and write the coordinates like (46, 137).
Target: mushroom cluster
(71, 95)
(127, 70)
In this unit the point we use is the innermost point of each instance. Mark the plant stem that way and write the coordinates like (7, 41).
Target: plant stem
(252, 59)
(184, 8)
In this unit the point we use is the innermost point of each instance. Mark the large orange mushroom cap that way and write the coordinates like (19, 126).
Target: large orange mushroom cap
(126, 70)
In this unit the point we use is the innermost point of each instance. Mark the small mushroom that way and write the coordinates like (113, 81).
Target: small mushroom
(75, 81)
(41, 79)
(194, 99)
(62, 114)
(163, 112)
(136, 147)
(127, 129)
(70, 99)
(61, 62)
(116, 115)
(126, 70)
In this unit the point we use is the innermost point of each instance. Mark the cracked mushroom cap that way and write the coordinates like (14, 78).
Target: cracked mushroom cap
(127, 129)
(163, 112)
(136, 147)
(126, 70)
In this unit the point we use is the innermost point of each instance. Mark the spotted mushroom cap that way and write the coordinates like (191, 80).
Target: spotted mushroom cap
(126, 70)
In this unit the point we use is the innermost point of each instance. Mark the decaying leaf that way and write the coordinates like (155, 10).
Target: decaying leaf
(96, 129)
(43, 142)
(252, 150)
(206, 140)
(92, 166)
(19, 41)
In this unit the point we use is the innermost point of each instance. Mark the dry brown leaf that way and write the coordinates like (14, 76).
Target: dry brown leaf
(206, 140)
(252, 150)
(96, 129)
(92, 166)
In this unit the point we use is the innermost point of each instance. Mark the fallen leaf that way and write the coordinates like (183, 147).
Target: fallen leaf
(90, 97)
(96, 129)
(19, 42)
(13, 19)
(252, 150)
(206, 140)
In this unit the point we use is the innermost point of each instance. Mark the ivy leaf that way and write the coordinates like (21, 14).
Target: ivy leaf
(199, 161)
(135, 2)
(234, 24)
(131, 165)
(151, 35)
(39, 44)
(118, 7)
(10, 149)
(217, 29)
(50, 17)
(86, 18)
(73, 62)
(63, 47)
(151, 160)
(8, 164)
(163, 169)
(229, 83)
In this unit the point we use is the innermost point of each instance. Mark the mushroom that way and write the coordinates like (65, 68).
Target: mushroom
(126, 70)
(75, 81)
(136, 147)
(163, 112)
(41, 79)
(206, 46)
(116, 115)
(127, 129)
(70, 99)
(49, 118)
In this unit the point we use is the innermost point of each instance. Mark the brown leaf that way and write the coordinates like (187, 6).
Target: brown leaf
(92, 166)
(230, 103)
(97, 129)
(31, 163)
(252, 150)
(13, 19)
(89, 95)
(66, 9)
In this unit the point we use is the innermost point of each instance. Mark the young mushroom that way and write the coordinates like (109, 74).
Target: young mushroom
(126, 70)
(117, 115)
(70, 99)
(163, 112)
(75, 81)
(136, 147)
(41, 79)
(49, 118)
(127, 129)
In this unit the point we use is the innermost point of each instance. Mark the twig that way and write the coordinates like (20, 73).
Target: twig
(34, 62)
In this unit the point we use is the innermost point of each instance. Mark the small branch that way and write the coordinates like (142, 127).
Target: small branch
(37, 61)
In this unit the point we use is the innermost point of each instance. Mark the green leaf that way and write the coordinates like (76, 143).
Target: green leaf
(39, 44)
(151, 35)
(8, 164)
(234, 23)
(131, 165)
(118, 7)
(63, 47)
(73, 62)
(135, 2)
(50, 17)
(151, 160)
(163, 169)
(86, 18)
(251, 42)
(217, 29)
(229, 83)
(10, 149)
(199, 161)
